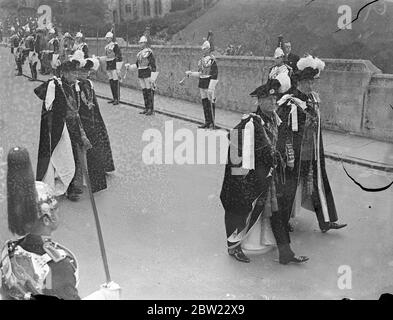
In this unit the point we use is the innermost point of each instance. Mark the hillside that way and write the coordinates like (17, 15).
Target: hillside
(310, 28)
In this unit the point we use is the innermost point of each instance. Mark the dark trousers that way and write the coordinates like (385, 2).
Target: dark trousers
(115, 89)
(33, 68)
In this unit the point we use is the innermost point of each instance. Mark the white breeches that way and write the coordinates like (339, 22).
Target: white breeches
(145, 83)
(208, 94)
(112, 74)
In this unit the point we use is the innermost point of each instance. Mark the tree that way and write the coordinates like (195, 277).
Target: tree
(87, 15)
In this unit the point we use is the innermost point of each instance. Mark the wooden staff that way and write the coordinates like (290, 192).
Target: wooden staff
(83, 161)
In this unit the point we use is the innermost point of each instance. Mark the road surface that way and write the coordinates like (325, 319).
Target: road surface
(164, 224)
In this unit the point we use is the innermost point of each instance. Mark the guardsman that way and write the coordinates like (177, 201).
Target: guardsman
(54, 47)
(114, 62)
(80, 44)
(34, 267)
(147, 75)
(14, 40)
(16, 50)
(32, 46)
(207, 74)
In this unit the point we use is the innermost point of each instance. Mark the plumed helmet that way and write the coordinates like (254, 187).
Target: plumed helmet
(143, 39)
(46, 199)
(278, 53)
(21, 193)
(206, 45)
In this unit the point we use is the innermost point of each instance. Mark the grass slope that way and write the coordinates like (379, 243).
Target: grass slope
(256, 25)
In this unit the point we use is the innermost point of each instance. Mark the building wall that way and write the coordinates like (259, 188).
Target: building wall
(138, 9)
(355, 96)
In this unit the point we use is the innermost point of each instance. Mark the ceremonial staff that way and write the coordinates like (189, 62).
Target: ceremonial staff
(97, 41)
(82, 156)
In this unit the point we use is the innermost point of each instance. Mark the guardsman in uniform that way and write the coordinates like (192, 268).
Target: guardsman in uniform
(16, 50)
(80, 44)
(207, 74)
(54, 47)
(114, 62)
(32, 46)
(34, 267)
(14, 40)
(279, 65)
(147, 75)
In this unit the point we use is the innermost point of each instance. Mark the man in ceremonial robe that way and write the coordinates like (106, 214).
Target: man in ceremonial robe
(252, 175)
(300, 139)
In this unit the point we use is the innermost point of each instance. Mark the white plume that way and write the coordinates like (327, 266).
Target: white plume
(306, 62)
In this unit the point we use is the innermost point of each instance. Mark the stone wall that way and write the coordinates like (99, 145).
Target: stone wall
(355, 94)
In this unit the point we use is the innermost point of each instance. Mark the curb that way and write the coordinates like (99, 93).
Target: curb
(330, 155)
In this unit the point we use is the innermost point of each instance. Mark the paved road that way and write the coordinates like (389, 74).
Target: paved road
(163, 224)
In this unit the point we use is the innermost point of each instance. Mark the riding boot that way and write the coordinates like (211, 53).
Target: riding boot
(144, 92)
(209, 119)
(112, 90)
(205, 111)
(116, 90)
(149, 95)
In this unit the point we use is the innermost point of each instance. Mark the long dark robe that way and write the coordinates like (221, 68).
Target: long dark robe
(52, 125)
(99, 157)
(306, 146)
(244, 196)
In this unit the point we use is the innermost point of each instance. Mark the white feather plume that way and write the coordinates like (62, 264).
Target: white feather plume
(306, 62)
(285, 82)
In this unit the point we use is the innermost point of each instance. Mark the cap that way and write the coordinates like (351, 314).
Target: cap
(79, 35)
(109, 35)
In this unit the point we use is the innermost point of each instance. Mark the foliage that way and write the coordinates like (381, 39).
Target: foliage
(163, 28)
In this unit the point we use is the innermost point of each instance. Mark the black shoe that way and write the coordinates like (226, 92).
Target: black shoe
(116, 102)
(143, 112)
(150, 113)
(238, 254)
(111, 101)
(19, 74)
(332, 225)
(204, 126)
(294, 259)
